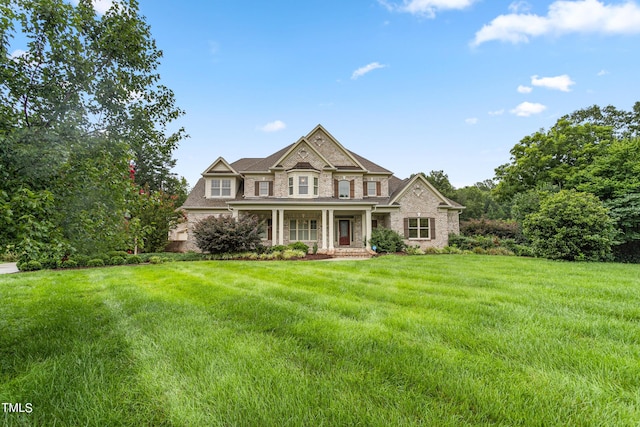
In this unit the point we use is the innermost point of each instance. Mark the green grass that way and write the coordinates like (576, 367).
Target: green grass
(431, 340)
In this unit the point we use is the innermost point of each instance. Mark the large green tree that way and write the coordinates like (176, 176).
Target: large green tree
(594, 150)
(80, 98)
(552, 157)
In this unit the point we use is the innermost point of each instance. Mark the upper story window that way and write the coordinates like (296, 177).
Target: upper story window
(263, 188)
(220, 187)
(344, 189)
(303, 185)
(372, 188)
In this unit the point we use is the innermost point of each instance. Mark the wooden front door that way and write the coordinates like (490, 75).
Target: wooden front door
(344, 230)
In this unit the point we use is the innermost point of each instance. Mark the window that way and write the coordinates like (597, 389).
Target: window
(344, 189)
(372, 188)
(303, 185)
(303, 229)
(419, 228)
(266, 230)
(263, 189)
(220, 188)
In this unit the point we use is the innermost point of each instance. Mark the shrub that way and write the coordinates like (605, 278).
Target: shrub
(69, 264)
(572, 226)
(156, 260)
(112, 254)
(96, 262)
(293, 254)
(133, 259)
(414, 250)
(299, 246)
(277, 248)
(81, 260)
(315, 248)
(386, 240)
(490, 227)
(32, 265)
(116, 260)
(225, 234)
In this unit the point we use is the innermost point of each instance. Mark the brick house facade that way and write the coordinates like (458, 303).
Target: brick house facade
(317, 191)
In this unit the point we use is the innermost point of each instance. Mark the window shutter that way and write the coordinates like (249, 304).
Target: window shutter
(335, 188)
(364, 189)
(432, 228)
(406, 228)
(271, 188)
(352, 189)
(257, 188)
(378, 188)
(269, 229)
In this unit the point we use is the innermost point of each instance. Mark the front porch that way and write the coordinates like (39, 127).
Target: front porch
(339, 228)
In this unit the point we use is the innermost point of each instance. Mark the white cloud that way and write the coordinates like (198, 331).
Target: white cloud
(274, 126)
(602, 73)
(582, 16)
(366, 69)
(562, 82)
(496, 112)
(527, 109)
(426, 8)
(18, 53)
(519, 7)
(100, 6)
(471, 121)
(524, 89)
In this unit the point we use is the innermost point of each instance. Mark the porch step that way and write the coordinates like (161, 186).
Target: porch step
(351, 252)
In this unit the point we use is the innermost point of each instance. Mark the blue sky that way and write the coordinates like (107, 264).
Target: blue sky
(414, 85)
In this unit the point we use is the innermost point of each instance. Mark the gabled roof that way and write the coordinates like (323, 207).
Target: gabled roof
(256, 165)
(293, 147)
(408, 183)
(220, 166)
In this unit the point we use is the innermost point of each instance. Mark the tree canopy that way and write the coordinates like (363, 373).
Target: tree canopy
(81, 100)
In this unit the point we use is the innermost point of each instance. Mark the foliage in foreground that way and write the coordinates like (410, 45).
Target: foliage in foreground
(571, 226)
(387, 240)
(444, 341)
(225, 234)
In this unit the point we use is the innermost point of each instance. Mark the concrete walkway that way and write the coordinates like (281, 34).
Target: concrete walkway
(8, 268)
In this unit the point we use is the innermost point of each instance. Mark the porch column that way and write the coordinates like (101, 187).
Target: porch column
(324, 229)
(234, 213)
(330, 234)
(274, 226)
(367, 215)
(281, 226)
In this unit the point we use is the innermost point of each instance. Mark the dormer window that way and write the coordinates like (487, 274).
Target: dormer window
(221, 187)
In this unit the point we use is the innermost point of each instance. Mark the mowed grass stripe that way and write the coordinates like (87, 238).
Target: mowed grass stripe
(391, 341)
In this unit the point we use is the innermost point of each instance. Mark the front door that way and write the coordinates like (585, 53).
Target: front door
(344, 227)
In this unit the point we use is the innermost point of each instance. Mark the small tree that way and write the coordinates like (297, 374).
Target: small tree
(572, 226)
(227, 235)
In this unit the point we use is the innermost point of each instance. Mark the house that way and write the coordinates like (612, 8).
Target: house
(317, 191)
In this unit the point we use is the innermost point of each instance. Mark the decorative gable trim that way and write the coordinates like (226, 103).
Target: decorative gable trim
(418, 191)
(278, 164)
(346, 152)
(220, 167)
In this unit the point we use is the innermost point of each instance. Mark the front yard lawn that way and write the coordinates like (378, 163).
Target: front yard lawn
(429, 340)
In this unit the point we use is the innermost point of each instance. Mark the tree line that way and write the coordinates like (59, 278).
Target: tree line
(573, 190)
(85, 150)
